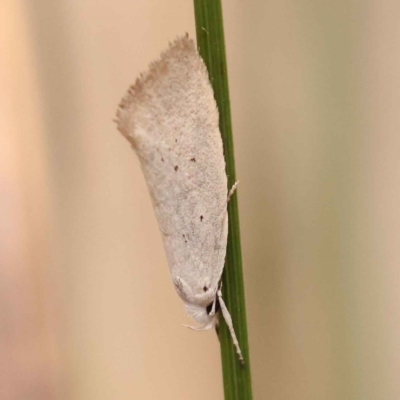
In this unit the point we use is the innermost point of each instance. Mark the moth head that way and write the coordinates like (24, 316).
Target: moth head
(203, 315)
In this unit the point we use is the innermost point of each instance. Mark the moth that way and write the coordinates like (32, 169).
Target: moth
(170, 118)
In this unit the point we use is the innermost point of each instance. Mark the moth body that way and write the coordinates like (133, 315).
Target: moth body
(171, 120)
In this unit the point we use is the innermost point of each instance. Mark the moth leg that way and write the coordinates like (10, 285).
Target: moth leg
(212, 312)
(200, 328)
(232, 191)
(228, 320)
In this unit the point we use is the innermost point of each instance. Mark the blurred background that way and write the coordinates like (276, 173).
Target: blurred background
(87, 308)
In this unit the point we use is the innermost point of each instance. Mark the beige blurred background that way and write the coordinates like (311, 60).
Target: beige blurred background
(87, 307)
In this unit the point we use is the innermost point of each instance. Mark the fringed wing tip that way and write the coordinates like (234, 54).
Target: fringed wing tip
(132, 97)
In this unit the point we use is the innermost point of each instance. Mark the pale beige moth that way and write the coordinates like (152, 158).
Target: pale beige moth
(170, 117)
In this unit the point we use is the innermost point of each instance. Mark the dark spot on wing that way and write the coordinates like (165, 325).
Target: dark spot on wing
(176, 168)
(201, 218)
(193, 159)
(205, 288)
(176, 140)
(162, 159)
(184, 236)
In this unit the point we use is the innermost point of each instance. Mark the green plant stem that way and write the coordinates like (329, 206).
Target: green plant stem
(211, 45)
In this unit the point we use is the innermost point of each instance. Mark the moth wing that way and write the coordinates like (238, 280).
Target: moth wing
(171, 119)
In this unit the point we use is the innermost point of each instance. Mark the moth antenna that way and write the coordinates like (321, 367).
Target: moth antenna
(228, 320)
